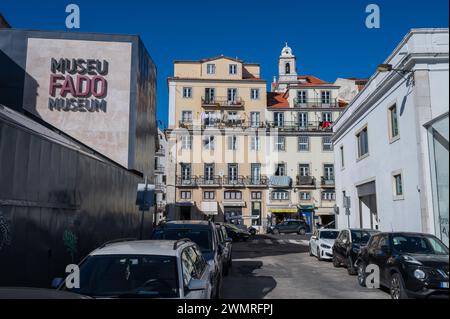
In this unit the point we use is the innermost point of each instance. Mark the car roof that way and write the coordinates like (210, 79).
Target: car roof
(405, 233)
(328, 229)
(362, 229)
(143, 247)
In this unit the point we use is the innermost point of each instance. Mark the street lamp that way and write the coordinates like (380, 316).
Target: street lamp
(386, 67)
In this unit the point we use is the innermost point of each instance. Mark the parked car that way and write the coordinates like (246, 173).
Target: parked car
(227, 245)
(236, 233)
(290, 226)
(204, 234)
(410, 264)
(348, 245)
(321, 243)
(145, 269)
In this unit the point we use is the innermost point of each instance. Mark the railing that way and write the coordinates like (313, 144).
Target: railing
(209, 180)
(316, 103)
(327, 181)
(292, 126)
(186, 181)
(159, 168)
(223, 101)
(257, 181)
(234, 180)
(306, 180)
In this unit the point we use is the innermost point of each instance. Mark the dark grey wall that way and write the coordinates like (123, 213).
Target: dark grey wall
(56, 205)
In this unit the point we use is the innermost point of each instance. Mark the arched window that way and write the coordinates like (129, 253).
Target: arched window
(288, 68)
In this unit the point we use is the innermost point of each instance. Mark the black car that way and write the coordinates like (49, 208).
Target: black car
(410, 264)
(348, 245)
(204, 234)
(236, 233)
(227, 247)
(290, 226)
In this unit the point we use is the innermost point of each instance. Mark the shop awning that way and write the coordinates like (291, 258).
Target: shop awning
(233, 204)
(283, 210)
(185, 203)
(210, 208)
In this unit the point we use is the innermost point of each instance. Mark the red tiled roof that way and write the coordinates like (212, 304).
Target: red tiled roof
(277, 100)
(311, 79)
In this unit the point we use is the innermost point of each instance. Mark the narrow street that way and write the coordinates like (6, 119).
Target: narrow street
(279, 267)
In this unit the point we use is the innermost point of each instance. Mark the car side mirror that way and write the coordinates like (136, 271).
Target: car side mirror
(197, 285)
(56, 282)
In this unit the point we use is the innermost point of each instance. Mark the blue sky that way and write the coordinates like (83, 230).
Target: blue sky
(329, 38)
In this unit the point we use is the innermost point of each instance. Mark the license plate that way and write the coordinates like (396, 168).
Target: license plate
(444, 285)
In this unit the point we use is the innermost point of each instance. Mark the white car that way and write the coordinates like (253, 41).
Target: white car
(145, 269)
(321, 243)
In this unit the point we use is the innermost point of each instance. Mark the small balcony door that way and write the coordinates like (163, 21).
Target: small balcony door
(233, 172)
(303, 119)
(256, 173)
(232, 95)
(255, 119)
(210, 95)
(278, 118)
(329, 172)
(186, 172)
(209, 172)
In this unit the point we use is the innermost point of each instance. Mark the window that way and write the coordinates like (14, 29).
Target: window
(305, 195)
(363, 143)
(280, 170)
(232, 143)
(255, 143)
(303, 119)
(209, 195)
(210, 118)
(325, 97)
(233, 195)
(304, 169)
(328, 172)
(186, 171)
(211, 69)
(393, 123)
(186, 116)
(209, 172)
(256, 213)
(288, 68)
(255, 170)
(255, 119)
(342, 156)
(186, 142)
(278, 118)
(327, 144)
(232, 69)
(187, 92)
(254, 94)
(280, 143)
(302, 97)
(303, 143)
(186, 195)
(210, 95)
(208, 143)
(328, 195)
(327, 117)
(233, 117)
(280, 195)
(232, 95)
(233, 172)
(256, 195)
(398, 185)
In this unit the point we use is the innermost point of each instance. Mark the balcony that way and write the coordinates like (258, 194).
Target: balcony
(316, 103)
(306, 181)
(209, 181)
(159, 188)
(222, 102)
(183, 181)
(159, 169)
(314, 126)
(328, 181)
(260, 181)
(234, 181)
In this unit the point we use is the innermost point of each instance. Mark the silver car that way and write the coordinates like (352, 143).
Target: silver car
(145, 269)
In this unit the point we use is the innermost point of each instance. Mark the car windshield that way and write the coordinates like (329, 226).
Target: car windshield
(199, 236)
(134, 276)
(361, 236)
(411, 244)
(329, 234)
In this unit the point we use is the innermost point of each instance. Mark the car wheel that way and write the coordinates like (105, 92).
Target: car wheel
(397, 287)
(302, 231)
(336, 262)
(350, 268)
(362, 274)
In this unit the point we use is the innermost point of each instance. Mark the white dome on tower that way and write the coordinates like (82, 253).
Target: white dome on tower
(287, 51)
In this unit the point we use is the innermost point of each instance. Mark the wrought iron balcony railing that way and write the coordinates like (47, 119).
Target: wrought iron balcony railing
(306, 181)
(186, 181)
(291, 126)
(234, 180)
(328, 181)
(316, 103)
(209, 181)
(257, 181)
(223, 101)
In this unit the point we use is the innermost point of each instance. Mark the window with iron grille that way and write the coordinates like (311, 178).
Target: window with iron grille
(303, 143)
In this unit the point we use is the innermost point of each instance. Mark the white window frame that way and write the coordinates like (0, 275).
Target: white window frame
(359, 154)
(328, 195)
(304, 167)
(280, 195)
(211, 142)
(190, 117)
(232, 69)
(187, 92)
(395, 194)
(255, 119)
(280, 143)
(307, 144)
(303, 197)
(186, 142)
(210, 68)
(183, 195)
(327, 145)
(255, 143)
(302, 96)
(325, 97)
(392, 137)
(254, 94)
(233, 142)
